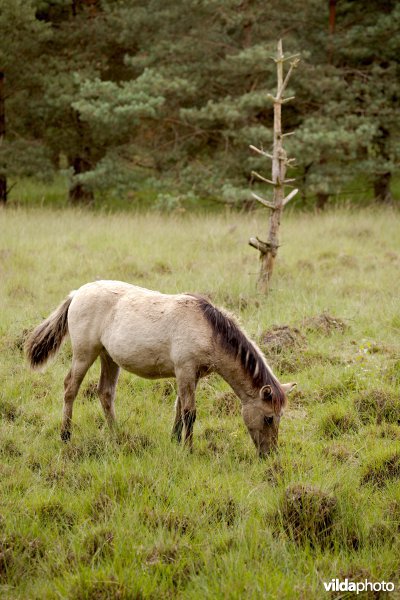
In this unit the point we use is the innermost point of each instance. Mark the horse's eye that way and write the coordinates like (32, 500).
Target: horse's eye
(268, 420)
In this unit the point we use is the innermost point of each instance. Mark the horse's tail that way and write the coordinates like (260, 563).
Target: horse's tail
(46, 339)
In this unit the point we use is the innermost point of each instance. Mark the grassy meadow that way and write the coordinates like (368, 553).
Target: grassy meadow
(131, 515)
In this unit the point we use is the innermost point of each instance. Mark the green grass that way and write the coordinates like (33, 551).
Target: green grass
(132, 515)
(31, 192)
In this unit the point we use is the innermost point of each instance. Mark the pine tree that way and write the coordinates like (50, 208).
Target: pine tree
(182, 89)
(21, 40)
(348, 100)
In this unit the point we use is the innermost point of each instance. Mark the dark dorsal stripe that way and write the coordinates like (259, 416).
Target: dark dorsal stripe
(236, 343)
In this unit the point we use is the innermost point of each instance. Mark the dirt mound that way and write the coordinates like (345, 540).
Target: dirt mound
(281, 337)
(324, 323)
(308, 514)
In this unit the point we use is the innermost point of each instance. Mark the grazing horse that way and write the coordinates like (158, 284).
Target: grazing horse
(158, 335)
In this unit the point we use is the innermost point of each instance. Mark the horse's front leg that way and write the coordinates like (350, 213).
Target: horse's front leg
(177, 427)
(186, 379)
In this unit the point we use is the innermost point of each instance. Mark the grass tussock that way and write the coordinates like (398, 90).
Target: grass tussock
(383, 468)
(378, 406)
(226, 404)
(337, 420)
(128, 514)
(324, 324)
(280, 338)
(308, 515)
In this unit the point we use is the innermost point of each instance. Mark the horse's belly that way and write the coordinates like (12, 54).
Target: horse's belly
(155, 370)
(150, 362)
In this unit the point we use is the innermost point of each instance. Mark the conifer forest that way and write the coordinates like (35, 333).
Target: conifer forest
(235, 432)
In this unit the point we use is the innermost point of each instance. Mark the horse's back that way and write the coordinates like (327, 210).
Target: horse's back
(144, 331)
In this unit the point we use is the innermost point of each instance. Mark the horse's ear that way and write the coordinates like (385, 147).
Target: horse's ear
(266, 393)
(288, 387)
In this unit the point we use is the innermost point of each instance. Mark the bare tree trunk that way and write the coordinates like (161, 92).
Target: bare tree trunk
(269, 249)
(382, 181)
(3, 177)
(332, 23)
(322, 200)
(278, 178)
(332, 16)
(78, 192)
(382, 191)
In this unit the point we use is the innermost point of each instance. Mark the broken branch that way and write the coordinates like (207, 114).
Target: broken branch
(289, 197)
(261, 152)
(262, 178)
(293, 65)
(262, 247)
(264, 201)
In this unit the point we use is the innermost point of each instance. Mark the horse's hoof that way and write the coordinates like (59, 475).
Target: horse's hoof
(65, 436)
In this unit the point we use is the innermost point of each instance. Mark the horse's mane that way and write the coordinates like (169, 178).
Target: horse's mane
(233, 339)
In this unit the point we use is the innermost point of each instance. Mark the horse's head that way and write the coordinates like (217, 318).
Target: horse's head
(262, 416)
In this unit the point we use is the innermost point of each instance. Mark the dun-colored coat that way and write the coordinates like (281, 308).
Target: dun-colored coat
(158, 335)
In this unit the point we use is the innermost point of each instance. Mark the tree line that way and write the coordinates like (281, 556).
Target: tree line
(170, 94)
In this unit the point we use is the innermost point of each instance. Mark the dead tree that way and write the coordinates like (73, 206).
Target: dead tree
(3, 178)
(280, 162)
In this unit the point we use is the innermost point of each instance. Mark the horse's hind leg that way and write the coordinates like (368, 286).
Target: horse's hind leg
(72, 384)
(186, 380)
(107, 385)
(176, 433)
